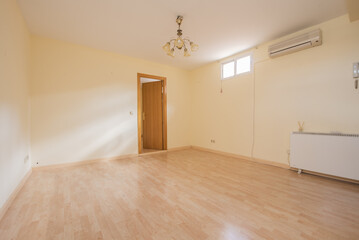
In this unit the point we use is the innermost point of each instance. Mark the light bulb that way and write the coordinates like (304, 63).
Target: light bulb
(179, 43)
(171, 52)
(186, 53)
(166, 47)
(194, 47)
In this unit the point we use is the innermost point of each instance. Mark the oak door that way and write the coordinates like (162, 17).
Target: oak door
(152, 96)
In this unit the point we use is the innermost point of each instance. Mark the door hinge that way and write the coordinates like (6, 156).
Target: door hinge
(162, 89)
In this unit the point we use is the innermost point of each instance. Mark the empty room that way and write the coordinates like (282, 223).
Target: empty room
(179, 120)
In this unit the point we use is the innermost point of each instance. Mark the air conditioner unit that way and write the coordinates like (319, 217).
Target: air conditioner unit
(304, 41)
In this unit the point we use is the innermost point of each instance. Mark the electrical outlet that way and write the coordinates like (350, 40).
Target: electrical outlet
(213, 141)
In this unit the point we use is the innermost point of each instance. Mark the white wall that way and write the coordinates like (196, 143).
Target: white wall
(14, 133)
(81, 99)
(314, 85)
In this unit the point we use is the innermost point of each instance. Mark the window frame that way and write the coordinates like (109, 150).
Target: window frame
(235, 65)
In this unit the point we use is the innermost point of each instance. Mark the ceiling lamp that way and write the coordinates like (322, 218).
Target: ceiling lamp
(180, 42)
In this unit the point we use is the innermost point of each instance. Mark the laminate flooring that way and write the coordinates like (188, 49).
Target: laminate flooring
(187, 194)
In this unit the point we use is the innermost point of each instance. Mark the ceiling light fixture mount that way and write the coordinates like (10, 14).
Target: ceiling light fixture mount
(180, 42)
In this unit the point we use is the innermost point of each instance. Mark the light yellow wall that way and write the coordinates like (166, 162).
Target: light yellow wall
(314, 85)
(14, 139)
(81, 100)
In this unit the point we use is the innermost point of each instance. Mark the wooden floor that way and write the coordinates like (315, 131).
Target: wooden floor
(186, 194)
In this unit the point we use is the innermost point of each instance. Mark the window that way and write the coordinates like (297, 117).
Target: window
(228, 69)
(236, 67)
(243, 65)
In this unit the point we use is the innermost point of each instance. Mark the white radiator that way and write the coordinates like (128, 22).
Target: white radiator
(333, 154)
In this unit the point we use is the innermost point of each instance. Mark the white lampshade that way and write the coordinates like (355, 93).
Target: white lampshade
(194, 47)
(171, 52)
(186, 53)
(166, 47)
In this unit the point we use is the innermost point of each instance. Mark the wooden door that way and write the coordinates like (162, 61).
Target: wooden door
(152, 115)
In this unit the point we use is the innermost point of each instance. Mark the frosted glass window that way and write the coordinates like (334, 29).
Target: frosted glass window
(237, 66)
(243, 65)
(228, 69)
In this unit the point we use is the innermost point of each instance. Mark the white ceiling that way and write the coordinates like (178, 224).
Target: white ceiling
(139, 28)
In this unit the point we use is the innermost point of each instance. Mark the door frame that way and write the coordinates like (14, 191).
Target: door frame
(139, 109)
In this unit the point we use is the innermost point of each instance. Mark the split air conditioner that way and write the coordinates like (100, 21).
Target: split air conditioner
(304, 41)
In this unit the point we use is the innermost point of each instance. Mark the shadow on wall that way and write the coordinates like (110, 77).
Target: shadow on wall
(83, 125)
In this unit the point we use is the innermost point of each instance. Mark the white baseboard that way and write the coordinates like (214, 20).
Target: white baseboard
(13, 195)
(71, 164)
(257, 160)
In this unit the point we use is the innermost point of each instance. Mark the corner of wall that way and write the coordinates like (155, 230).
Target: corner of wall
(14, 111)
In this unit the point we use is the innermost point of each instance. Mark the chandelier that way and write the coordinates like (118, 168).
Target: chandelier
(180, 42)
